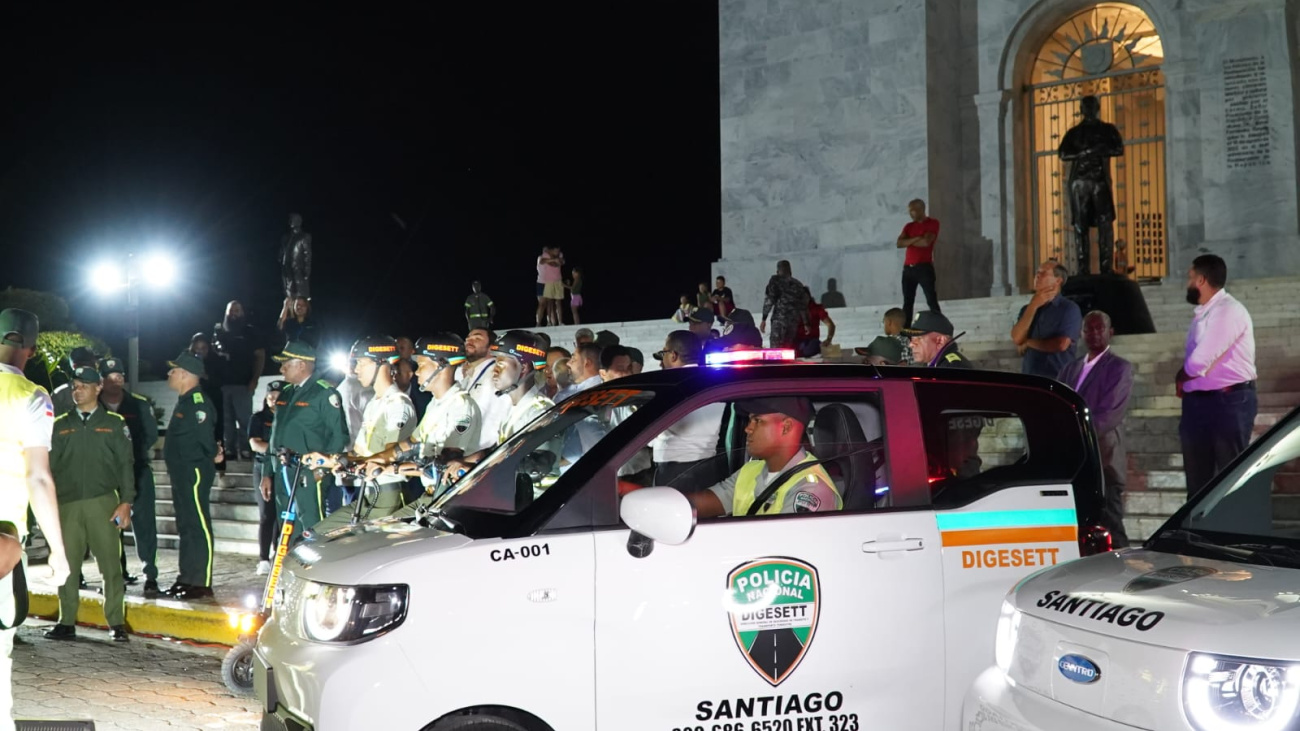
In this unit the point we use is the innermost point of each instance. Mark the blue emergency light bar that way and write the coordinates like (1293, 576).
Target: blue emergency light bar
(748, 356)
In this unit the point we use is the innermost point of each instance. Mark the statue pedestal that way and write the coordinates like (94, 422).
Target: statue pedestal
(1117, 296)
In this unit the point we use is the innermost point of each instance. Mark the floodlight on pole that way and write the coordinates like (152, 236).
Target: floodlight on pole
(159, 270)
(107, 278)
(156, 270)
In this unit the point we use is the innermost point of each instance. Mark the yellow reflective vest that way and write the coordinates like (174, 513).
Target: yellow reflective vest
(747, 489)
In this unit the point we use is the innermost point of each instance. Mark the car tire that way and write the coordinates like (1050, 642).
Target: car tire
(476, 723)
(237, 670)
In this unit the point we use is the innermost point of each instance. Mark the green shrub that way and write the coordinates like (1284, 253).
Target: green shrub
(53, 347)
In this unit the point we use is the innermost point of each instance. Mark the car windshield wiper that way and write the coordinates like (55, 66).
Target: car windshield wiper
(1196, 540)
(1288, 553)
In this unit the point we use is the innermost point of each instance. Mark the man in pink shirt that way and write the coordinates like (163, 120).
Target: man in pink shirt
(1217, 380)
(550, 287)
(918, 238)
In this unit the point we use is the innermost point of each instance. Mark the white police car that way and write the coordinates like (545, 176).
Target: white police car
(1199, 629)
(524, 599)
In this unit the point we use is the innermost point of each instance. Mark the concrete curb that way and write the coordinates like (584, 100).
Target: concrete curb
(161, 617)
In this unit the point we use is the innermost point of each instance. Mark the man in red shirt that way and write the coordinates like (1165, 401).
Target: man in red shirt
(808, 337)
(918, 238)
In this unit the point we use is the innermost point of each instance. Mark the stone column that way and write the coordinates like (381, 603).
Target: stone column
(997, 203)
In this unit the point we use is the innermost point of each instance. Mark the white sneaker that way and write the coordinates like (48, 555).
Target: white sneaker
(263, 568)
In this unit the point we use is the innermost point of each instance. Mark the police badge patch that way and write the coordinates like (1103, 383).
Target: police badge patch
(200, 416)
(335, 401)
(126, 430)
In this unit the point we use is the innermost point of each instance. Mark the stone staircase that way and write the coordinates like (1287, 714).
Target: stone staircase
(1155, 481)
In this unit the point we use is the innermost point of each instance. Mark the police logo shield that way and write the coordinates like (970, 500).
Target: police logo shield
(774, 606)
(335, 401)
(200, 416)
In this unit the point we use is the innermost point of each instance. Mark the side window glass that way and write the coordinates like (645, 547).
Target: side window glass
(981, 438)
(751, 459)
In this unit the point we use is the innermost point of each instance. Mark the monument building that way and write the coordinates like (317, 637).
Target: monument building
(835, 113)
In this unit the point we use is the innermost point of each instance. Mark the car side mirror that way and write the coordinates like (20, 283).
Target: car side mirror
(660, 514)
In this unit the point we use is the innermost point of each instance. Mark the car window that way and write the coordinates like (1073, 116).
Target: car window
(709, 448)
(1259, 497)
(534, 459)
(982, 437)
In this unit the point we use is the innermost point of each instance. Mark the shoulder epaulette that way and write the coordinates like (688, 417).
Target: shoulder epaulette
(142, 398)
(114, 413)
(60, 416)
(324, 383)
(952, 357)
(198, 397)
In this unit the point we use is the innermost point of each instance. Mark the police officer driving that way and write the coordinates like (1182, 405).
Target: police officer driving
(774, 438)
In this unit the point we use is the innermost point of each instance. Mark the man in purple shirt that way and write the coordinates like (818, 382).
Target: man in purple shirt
(1217, 380)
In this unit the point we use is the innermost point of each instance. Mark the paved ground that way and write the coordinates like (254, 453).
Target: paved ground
(234, 577)
(137, 686)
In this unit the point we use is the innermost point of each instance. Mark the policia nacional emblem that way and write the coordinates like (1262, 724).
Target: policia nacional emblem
(774, 605)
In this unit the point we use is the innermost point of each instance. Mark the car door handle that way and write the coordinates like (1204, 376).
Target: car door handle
(906, 544)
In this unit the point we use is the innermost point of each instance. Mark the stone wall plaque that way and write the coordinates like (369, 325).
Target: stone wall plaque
(1245, 112)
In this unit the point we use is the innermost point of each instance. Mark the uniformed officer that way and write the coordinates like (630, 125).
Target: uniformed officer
(933, 343)
(451, 424)
(388, 418)
(519, 354)
(93, 470)
(26, 420)
(308, 418)
(62, 396)
(190, 451)
(774, 438)
(137, 411)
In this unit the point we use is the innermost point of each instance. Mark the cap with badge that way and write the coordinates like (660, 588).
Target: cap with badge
(276, 385)
(883, 347)
(188, 361)
(796, 407)
(110, 366)
(85, 374)
(18, 328)
(296, 350)
(929, 322)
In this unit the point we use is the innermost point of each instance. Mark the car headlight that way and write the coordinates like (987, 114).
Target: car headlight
(349, 614)
(1232, 693)
(1004, 644)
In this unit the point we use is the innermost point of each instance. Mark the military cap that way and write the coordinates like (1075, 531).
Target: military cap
(296, 350)
(188, 361)
(929, 322)
(111, 365)
(18, 328)
(85, 374)
(276, 385)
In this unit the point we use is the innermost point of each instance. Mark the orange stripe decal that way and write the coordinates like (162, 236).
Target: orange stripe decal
(992, 536)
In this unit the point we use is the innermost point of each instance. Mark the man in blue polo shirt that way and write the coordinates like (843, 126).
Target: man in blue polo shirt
(1048, 326)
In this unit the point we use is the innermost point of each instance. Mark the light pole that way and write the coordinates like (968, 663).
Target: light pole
(156, 270)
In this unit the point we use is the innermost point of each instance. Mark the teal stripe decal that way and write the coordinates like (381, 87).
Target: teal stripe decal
(1004, 519)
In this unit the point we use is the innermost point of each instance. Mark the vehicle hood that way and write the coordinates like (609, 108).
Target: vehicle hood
(1171, 600)
(370, 553)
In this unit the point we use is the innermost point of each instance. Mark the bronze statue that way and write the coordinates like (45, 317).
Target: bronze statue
(1089, 145)
(295, 260)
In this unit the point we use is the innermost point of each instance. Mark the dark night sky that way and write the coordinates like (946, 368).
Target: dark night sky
(487, 132)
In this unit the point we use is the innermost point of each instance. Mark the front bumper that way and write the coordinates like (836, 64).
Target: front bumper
(993, 704)
(311, 686)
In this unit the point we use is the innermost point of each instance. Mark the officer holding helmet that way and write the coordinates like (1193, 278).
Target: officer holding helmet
(308, 418)
(451, 424)
(137, 412)
(388, 418)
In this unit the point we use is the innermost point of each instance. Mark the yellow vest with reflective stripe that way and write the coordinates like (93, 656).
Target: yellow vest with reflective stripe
(747, 487)
(15, 393)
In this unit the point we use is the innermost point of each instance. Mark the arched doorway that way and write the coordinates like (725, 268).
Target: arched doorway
(1111, 51)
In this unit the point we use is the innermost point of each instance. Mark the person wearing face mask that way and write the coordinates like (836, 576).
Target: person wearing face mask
(1217, 380)
(389, 418)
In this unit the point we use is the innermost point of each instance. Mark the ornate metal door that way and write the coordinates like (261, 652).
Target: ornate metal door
(1112, 52)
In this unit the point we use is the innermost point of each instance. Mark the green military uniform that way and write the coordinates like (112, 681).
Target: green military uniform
(189, 449)
(91, 461)
(137, 411)
(950, 357)
(308, 418)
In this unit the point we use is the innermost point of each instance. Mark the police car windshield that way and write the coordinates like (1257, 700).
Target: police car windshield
(530, 462)
(1256, 504)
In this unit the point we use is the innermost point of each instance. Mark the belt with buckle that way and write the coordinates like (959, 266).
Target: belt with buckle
(1243, 386)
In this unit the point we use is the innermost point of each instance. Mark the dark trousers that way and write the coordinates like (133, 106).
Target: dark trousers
(922, 274)
(266, 521)
(191, 497)
(236, 409)
(1214, 429)
(144, 525)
